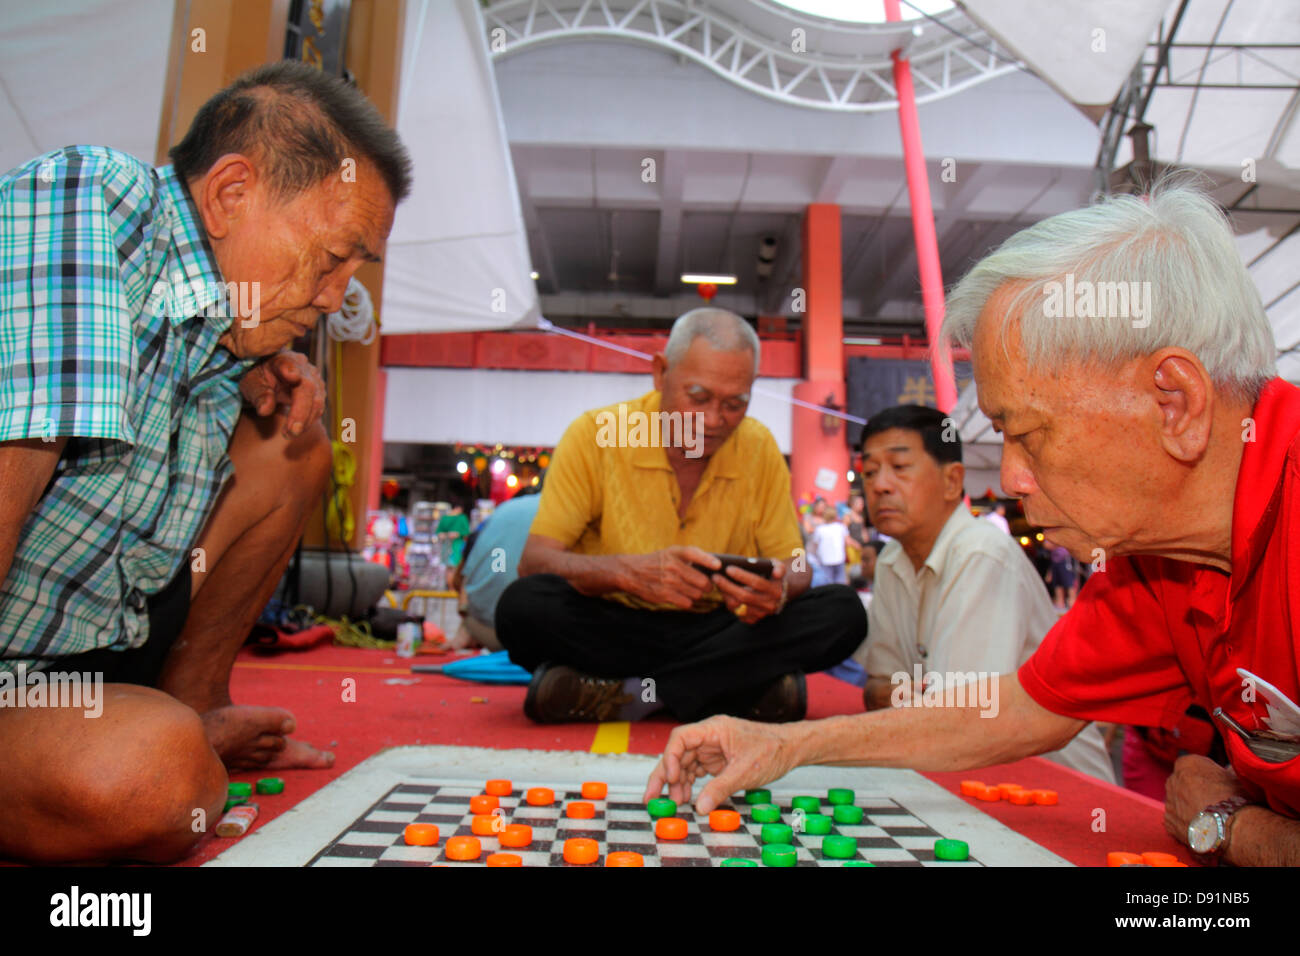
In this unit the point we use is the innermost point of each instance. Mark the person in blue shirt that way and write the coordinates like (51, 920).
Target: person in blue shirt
(491, 563)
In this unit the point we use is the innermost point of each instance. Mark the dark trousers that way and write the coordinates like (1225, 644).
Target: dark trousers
(701, 664)
(142, 665)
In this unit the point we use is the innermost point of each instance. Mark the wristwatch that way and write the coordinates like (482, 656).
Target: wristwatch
(1207, 834)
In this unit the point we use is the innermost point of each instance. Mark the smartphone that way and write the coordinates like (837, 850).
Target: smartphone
(761, 566)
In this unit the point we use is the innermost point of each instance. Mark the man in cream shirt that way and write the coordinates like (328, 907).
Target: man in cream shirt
(956, 600)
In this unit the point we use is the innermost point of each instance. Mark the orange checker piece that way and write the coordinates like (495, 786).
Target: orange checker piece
(504, 859)
(971, 788)
(463, 848)
(724, 820)
(420, 834)
(1008, 788)
(624, 858)
(1045, 798)
(670, 828)
(1154, 858)
(578, 810)
(483, 803)
(1119, 858)
(486, 824)
(1021, 798)
(498, 788)
(594, 790)
(516, 835)
(991, 794)
(540, 797)
(581, 850)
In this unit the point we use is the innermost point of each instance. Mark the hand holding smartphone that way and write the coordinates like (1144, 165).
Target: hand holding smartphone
(761, 566)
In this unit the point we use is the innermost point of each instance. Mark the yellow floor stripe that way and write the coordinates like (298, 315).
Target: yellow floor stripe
(612, 738)
(325, 667)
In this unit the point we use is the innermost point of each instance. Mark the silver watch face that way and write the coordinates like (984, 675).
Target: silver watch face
(1203, 833)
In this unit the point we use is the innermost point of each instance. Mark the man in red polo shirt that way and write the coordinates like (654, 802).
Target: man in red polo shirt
(1124, 354)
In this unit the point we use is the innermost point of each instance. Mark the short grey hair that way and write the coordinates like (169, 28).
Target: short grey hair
(1177, 240)
(724, 330)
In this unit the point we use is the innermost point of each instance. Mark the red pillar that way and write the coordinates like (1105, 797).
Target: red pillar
(817, 448)
(927, 247)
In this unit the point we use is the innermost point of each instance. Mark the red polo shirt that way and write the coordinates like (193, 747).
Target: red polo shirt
(1150, 636)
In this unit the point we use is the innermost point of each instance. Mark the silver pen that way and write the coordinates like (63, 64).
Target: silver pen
(1265, 748)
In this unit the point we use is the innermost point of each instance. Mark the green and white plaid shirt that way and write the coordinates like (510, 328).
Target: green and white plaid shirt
(109, 320)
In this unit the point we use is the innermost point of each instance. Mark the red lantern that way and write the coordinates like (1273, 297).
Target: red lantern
(707, 291)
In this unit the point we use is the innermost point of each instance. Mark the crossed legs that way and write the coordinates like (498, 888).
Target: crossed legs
(146, 778)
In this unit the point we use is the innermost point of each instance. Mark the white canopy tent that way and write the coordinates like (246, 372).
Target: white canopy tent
(81, 71)
(458, 254)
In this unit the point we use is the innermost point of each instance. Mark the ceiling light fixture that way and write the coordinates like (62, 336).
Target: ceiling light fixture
(703, 277)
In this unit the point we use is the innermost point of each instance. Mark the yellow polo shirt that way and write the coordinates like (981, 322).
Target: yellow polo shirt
(601, 497)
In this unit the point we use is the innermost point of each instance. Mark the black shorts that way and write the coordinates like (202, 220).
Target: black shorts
(168, 610)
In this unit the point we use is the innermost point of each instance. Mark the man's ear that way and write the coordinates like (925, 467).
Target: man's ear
(658, 366)
(954, 481)
(225, 193)
(1184, 395)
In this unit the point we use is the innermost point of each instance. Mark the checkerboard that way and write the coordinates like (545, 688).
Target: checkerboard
(889, 835)
(358, 819)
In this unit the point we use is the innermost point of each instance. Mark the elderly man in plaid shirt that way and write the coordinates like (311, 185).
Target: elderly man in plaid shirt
(160, 452)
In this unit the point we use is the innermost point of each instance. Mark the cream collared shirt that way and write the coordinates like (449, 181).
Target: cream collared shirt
(976, 604)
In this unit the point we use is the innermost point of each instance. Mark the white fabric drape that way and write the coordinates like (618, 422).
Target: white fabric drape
(458, 254)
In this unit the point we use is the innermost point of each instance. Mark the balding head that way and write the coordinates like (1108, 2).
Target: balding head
(725, 331)
(708, 369)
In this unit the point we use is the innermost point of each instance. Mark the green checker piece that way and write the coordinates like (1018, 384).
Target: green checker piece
(847, 813)
(780, 854)
(776, 833)
(839, 796)
(806, 804)
(840, 847)
(737, 861)
(270, 785)
(858, 863)
(233, 802)
(240, 790)
(951, 850)
(661, 807)
(817, 824)
(758, 796)
(765, 813)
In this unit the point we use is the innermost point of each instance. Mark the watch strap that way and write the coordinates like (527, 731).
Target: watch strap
(1223, 810)
(1227, 807)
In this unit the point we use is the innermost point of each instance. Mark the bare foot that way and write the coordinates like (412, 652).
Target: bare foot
(257, 738)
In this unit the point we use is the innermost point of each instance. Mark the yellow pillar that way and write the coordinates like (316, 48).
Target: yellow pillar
(213, 41)
(374, 56)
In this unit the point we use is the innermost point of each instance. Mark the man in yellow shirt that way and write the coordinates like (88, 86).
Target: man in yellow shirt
(621, 607)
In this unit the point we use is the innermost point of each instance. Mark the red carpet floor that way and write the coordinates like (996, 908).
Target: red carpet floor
(393, 707)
